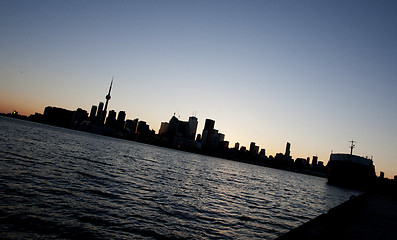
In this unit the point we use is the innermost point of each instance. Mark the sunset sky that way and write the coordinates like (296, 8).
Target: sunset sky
(315, 73)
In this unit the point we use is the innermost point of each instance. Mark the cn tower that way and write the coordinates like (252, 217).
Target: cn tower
(108, 96)
(103, 115)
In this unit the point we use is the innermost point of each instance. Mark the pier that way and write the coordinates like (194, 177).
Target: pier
(372, 215)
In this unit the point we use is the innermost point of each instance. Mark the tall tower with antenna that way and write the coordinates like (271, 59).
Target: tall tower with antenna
(103, 114)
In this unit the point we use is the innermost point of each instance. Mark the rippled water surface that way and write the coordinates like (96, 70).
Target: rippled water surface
(63, 184)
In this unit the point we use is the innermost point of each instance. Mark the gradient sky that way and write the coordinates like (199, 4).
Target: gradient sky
(315, 73)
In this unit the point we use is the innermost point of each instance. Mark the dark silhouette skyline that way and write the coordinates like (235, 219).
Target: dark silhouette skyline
(177, 134)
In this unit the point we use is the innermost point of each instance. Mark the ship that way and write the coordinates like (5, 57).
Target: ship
(350, 170)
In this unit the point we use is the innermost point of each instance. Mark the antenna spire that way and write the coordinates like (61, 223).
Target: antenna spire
(110, 89)
(352, 146)
(107, 99)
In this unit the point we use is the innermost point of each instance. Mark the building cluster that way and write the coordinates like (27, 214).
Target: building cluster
(174, 134)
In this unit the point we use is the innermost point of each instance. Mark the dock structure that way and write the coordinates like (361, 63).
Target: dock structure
(372, 215)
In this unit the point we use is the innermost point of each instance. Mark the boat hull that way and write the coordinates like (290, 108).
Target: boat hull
(351, 171)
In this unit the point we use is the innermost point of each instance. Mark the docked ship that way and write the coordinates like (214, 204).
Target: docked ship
(349, 170)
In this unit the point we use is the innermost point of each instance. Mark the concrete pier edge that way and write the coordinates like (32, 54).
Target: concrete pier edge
(371, 215)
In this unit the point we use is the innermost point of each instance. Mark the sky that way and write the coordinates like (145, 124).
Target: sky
(314, 73)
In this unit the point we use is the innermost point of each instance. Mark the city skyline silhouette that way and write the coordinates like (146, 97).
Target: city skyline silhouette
(181, 135)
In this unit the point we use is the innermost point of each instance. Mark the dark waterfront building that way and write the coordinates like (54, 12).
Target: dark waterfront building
(183, 129)
(93, 112)
(180, 133)
(121, 120)
(193, 122)
(253, 149)
(262, 153)
(213, 142)
(111, 119)
(209, 126)
(300, 163)
(208, 131)
(99, 113)
(143, 131)
(198, 139)
(131, 125)
(58, 117)
(237, 146)
(224, 145)
(103, 117)
(287, 150)
(314, 161)
(79, 115)
(172, 129)
(163, 128)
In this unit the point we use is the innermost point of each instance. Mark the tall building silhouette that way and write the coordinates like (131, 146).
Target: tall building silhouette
(207, 132)
(103, 114)
(287, 149)
(221, 137)
(193, 122)
(121, 119)
(254, 149)
(163, 128)
(111, 119)
(93, 112)
(209, 125)
(99, 113)
(131, 125)
(314, 161)
(262, 153)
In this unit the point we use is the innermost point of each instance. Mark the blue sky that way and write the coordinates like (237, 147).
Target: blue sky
(314, 73)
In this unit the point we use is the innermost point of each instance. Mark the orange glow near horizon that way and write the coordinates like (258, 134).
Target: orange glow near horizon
(23, 108)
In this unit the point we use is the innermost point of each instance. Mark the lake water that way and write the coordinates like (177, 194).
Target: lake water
(63, 184)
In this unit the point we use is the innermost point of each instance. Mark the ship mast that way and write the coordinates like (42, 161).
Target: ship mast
(352, 146)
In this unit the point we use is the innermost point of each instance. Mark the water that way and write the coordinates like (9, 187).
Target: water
(62, 184)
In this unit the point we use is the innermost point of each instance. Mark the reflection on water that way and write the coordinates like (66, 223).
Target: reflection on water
(59, 183)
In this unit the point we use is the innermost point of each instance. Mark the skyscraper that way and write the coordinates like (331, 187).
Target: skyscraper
(287, 149)
(207, 132)
(254, 149)
(221, 137)
(93, 112)
(209, 125)
(99, 113)
(192, 127)
(172, 128)
(111, 119)
(163, 128)
(262, 153)
(237, 145)
(314, 161)
(131, 125)
(121, 119)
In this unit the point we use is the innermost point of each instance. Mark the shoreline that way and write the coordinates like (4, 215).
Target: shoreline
(371, 215)
(277, 162)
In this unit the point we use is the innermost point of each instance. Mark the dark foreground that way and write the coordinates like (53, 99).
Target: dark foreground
(372, 215)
